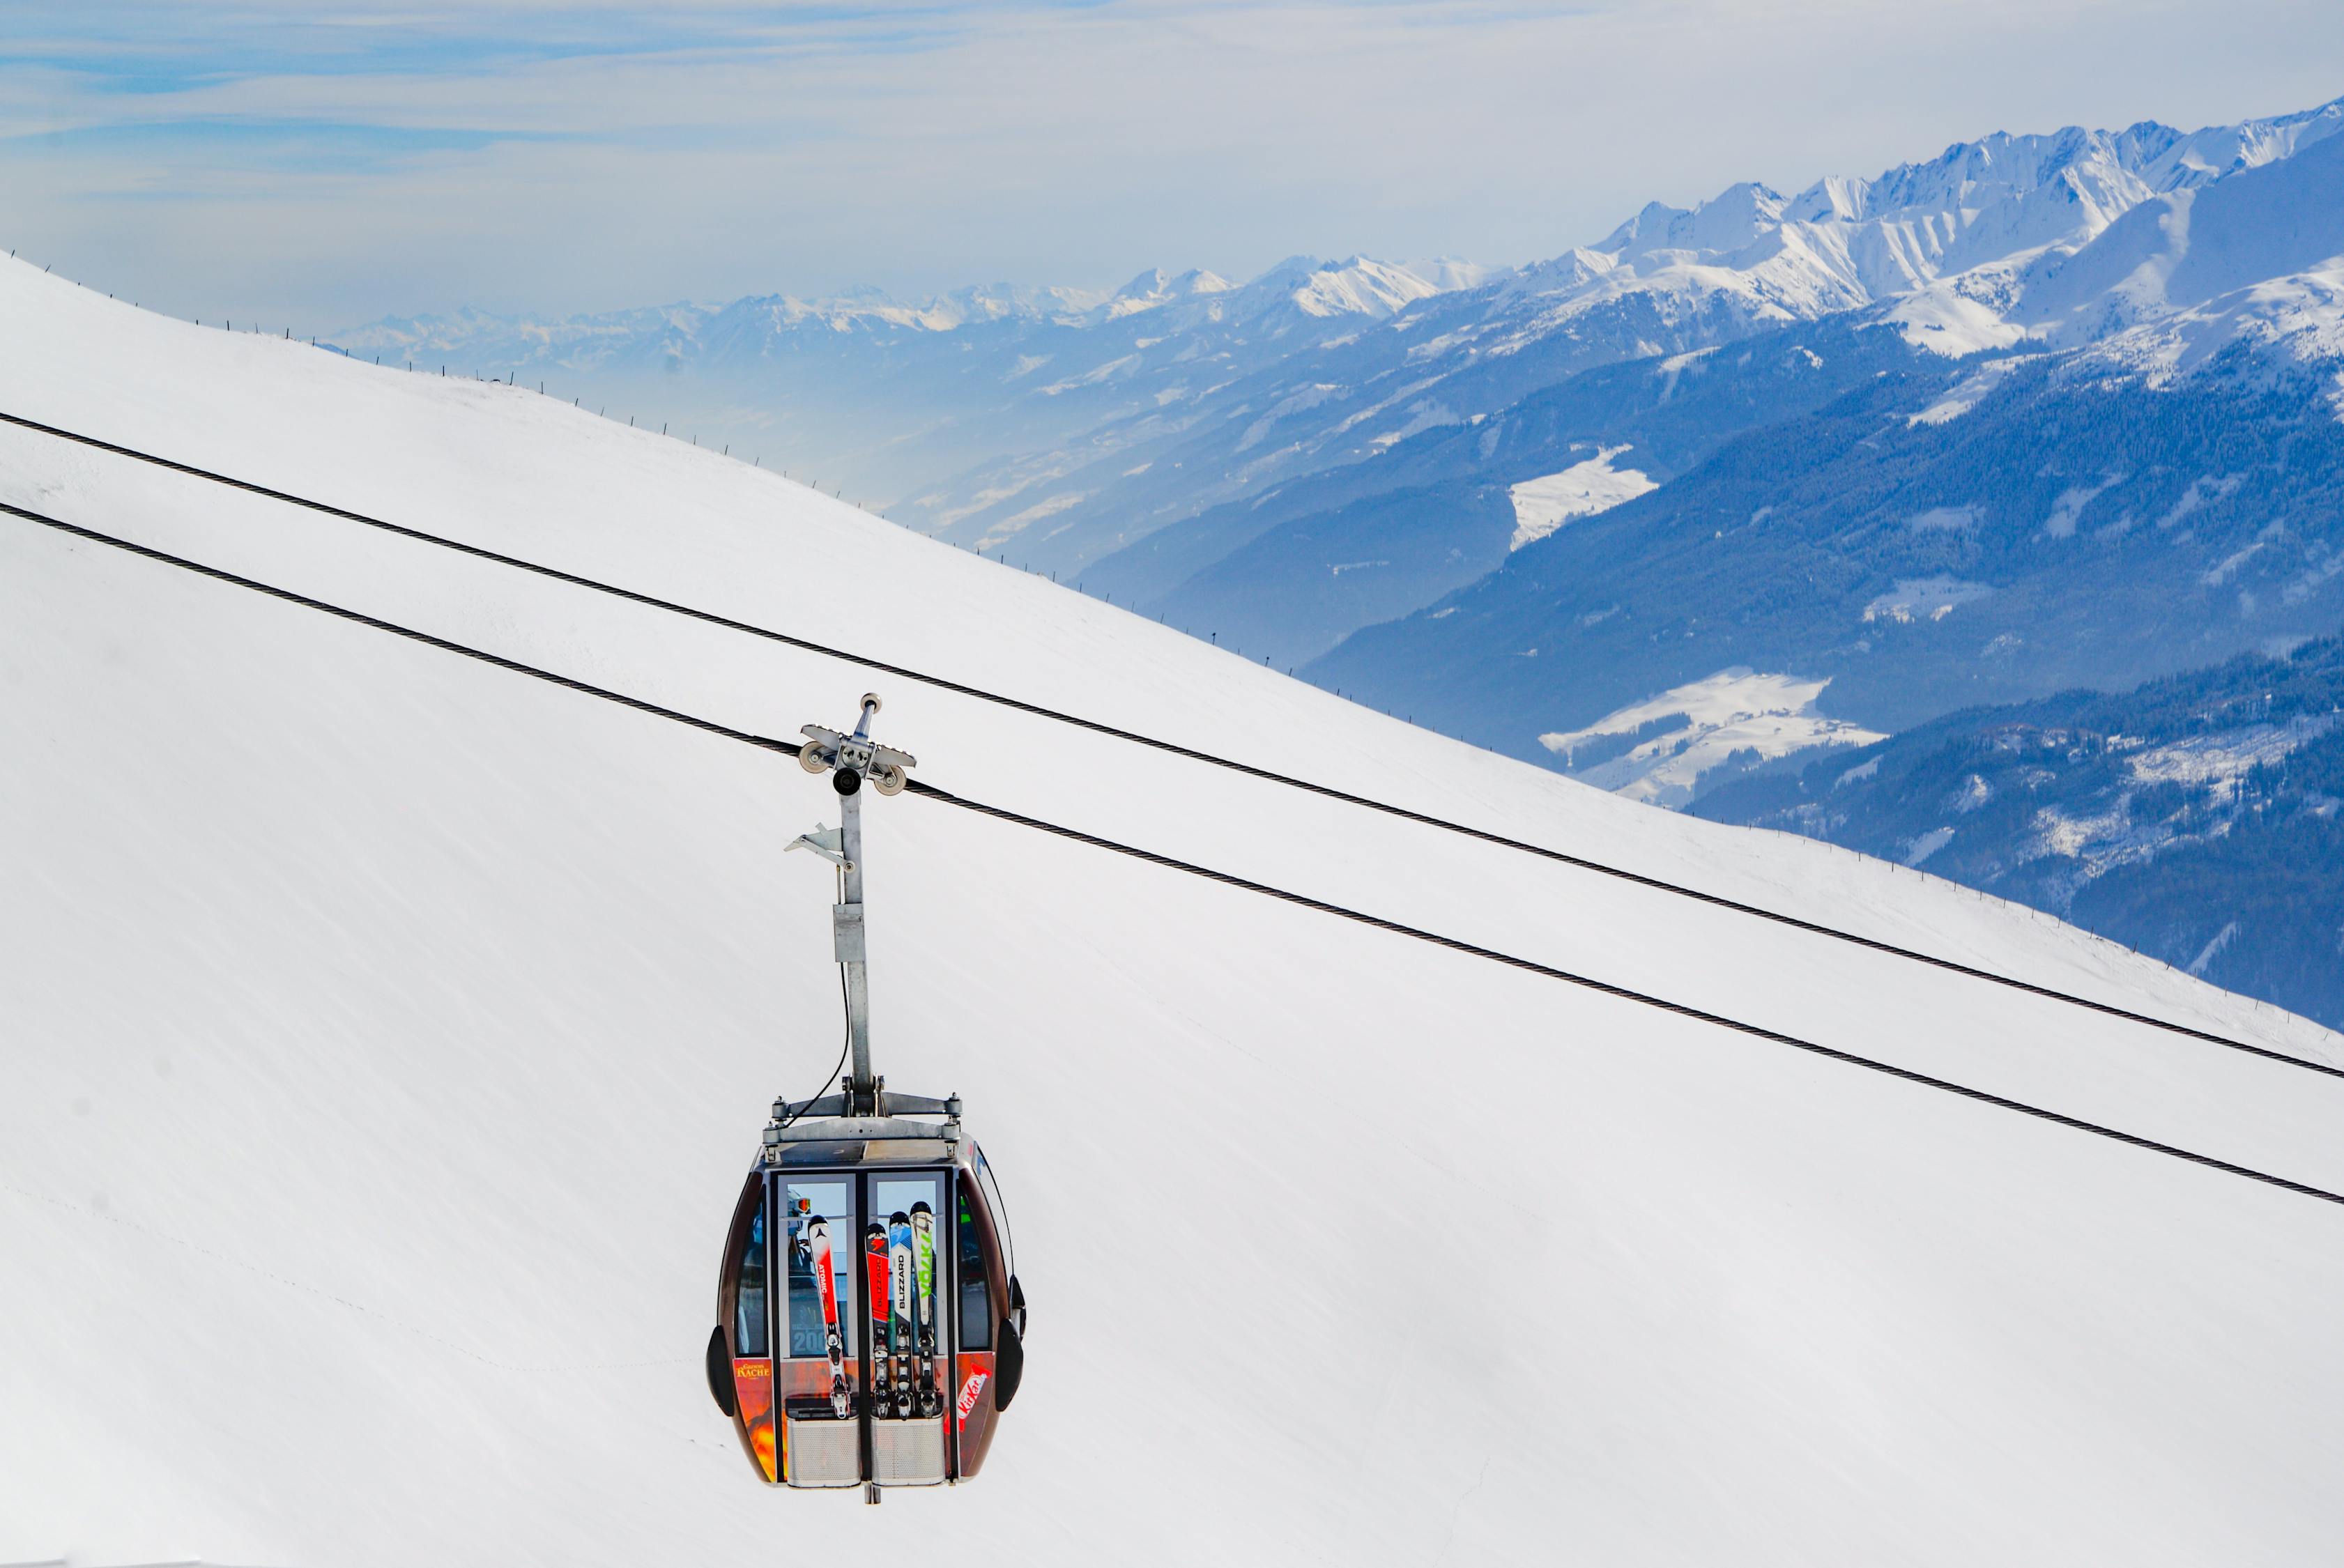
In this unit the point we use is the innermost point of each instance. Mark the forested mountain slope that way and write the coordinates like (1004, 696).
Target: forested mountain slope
(2193, 818)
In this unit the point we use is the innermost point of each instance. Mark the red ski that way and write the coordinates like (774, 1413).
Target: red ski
(875, 1349)
(817, 1236)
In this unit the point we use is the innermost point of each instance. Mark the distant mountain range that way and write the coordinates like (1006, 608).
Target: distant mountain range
(952, 396)
(2033, 413)
(2089, 464)
(1738, 487)
(1332, 445)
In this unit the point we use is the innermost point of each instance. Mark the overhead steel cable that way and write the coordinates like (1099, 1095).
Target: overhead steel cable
(396, 630)
(1562, 857)
(1606, 987)
(1229, 879)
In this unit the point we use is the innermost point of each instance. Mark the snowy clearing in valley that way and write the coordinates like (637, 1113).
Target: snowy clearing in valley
(1544, 504)
(1657, 750)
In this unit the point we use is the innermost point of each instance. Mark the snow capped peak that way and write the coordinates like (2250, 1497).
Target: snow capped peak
(1149, 285)
(1732, 221)
(2000, 171)
(1448, 273)
(1281, 276)
(1357, 285)
(1653, 218)
(1361, 286)
(1953, 240)
(1157, 286)
(997, 301)
(2209, 155)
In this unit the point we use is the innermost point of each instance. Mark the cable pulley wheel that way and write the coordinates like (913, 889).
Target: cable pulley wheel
(810, 758)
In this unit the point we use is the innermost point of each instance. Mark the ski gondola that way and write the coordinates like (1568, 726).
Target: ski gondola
(870, 1327)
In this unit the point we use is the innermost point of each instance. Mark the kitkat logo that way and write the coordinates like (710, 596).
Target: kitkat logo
(969, 1390)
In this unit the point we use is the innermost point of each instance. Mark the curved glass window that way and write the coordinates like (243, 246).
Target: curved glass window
(749, 1337)
(1000, 1212)
(975, 1300)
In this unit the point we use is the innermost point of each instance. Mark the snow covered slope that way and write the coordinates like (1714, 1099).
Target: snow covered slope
(386, 1035)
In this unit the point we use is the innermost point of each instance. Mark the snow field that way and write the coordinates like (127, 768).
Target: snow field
(1544, 504)
(387, 1034)
(1734, 710)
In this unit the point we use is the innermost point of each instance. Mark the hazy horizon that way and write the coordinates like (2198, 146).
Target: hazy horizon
(320, 165)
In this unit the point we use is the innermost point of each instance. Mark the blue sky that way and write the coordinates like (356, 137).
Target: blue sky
(321, 163)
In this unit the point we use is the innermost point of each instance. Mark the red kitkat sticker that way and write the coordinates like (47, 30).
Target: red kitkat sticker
(969, 1390)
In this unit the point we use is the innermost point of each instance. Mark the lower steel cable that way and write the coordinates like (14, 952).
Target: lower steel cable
(1229, 879)
(1015, 704)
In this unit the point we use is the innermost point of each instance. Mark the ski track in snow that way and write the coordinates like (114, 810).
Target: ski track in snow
(433, 1013)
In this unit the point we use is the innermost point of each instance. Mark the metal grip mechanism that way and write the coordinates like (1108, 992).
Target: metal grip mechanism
(850, 759)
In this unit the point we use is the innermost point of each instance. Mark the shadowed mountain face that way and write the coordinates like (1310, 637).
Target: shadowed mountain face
(2193, 818)
(2064, 530)
(1293, 572)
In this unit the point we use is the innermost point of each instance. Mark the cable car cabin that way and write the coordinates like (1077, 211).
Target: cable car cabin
(869, 1326)
(869, 1323)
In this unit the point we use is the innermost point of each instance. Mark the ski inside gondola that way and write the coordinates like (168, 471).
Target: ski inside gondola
(924, 1305)
(833, 1340)
(874, 1267)
(901, 1331)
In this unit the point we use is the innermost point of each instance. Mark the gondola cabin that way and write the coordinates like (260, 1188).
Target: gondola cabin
(870, 1330)
(870, 1325)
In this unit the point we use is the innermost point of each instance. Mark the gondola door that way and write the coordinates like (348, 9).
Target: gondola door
(817, 1374)
(907, 1294)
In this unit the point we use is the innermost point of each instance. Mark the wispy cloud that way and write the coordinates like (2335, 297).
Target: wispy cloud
(331, 160)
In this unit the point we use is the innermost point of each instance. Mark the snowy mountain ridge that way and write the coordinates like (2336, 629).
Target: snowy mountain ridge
(2002, 202)
(1358, 285)
(1070, 424)
(1986, 200)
